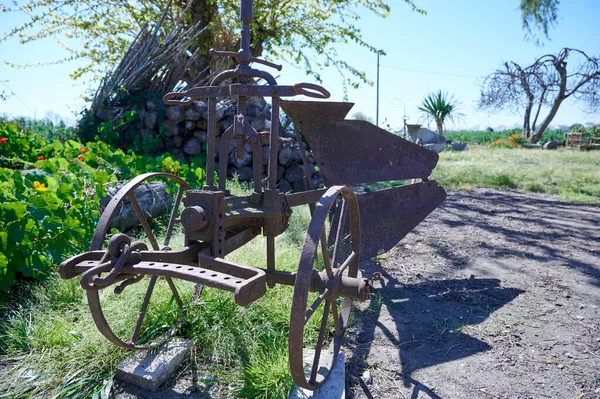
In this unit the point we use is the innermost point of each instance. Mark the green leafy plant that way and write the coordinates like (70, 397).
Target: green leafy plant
(50, 193)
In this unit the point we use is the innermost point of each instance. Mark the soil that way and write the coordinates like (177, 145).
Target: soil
(494, 295)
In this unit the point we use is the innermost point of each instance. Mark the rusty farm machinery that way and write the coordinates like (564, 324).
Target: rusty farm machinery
(344, 229)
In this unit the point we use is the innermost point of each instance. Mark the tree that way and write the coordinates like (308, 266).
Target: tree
(299, 31)
(543, 85)
(538, 15)
(440, 108)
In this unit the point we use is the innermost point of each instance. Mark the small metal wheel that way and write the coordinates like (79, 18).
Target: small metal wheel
(335, 229)
(130, 324)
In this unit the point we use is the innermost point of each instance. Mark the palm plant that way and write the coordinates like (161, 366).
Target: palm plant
(441, 107)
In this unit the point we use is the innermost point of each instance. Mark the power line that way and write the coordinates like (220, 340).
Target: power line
(430, 73)
(19, 98)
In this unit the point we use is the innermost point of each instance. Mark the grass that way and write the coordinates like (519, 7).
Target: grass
(572, 175)
(53, 349)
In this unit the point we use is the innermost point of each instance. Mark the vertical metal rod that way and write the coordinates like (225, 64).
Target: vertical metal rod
(377, 105)
(274, 144)
(211, 137)
(246, 18)
(270, 257)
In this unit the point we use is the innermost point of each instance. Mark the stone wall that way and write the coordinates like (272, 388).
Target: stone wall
(183, 133)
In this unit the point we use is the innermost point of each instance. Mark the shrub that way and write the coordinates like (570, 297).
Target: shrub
(49, 196)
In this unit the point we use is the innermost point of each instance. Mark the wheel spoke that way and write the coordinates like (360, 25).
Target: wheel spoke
(336, 318)
(319, 346)
(323, 241)
(315, 305)
(346, 263)
(140, 215)
(174, 291)
(144, 307)
(326, 259)
(173, 216)
(339, 231)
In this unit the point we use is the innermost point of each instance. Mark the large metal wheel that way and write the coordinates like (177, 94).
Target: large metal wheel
(331, 248)
(129, 312)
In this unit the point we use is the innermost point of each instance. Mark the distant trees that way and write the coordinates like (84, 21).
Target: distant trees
(440, 107)
(543, 85)
(361, 116)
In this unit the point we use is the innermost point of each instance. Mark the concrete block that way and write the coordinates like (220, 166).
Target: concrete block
(334, 387)
(150, 369)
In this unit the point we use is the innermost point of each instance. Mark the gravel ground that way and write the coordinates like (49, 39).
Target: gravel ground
(495, 295)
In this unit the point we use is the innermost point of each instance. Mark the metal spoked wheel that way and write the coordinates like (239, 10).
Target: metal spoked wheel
(123, 308)
(331, 249)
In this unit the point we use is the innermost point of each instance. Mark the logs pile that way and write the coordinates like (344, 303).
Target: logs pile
(184, 133)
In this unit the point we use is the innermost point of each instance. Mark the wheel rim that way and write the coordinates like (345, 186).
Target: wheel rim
(93, 295)
(340, 207)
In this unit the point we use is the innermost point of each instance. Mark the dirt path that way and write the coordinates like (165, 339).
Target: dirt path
(495, 295)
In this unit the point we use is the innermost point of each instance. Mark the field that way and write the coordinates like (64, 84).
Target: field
(569, 174)
(49, 346)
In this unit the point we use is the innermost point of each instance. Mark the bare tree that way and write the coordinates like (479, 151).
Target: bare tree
(542, 87)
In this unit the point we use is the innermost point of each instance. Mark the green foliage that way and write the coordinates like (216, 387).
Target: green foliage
(486, 137)
(51, 210)
(300, 32)
(48, 130)
(440, 107)
(539, 14)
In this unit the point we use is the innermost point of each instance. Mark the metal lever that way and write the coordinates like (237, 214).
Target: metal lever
(311, 90)
(243, 58)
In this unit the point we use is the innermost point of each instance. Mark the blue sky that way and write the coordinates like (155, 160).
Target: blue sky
(450, 48)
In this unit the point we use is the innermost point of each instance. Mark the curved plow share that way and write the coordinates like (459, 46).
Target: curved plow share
(344, 227)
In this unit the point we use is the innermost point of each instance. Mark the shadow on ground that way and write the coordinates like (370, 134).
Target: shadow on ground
(421, 324)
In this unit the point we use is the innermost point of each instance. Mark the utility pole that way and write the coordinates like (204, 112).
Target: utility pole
(404, 118)
(377, 104)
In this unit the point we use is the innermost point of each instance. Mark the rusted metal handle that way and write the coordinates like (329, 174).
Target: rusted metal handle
(172, 98)
(311, 90)
(267, 63)
(217, 53)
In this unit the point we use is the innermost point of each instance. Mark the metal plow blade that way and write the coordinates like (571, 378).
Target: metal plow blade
(354, 151)
(307, 113)
(388, 215)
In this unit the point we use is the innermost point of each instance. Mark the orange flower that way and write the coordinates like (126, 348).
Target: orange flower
(41, 158)
(3, 140)
(82, 150)
(80, 158)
